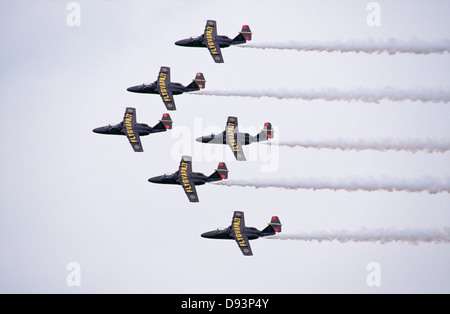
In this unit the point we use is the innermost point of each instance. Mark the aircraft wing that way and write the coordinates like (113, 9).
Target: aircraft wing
(237, 231)
(233, 121)
(129, 123)
(165, 72)
(232, 130)
(185, 171)
(163, 89)
(168, 100)
(210, 38)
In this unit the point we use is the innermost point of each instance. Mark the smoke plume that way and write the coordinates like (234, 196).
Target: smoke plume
(428, 184)
(360, 94)
(382, 144)
(412, 236)
(390, 46)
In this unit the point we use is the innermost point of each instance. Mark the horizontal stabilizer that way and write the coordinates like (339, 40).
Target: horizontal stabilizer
(200, 80)
(222, 170)
(266, 133)
(163, 125)
(197, 83)
(221, 173)
(246, 32)
(275, 224)
(167, 121)
(273, 227)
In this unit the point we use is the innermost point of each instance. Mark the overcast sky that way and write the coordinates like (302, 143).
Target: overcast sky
(70, 195)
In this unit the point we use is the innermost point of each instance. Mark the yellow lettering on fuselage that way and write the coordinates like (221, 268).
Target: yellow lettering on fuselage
(230, 134)
(129, 128)
(210, 40)
(162, 86)
(238, 232)
(184, 177)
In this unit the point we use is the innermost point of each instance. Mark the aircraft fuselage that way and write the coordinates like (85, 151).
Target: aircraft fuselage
(201, 42)
(250, 232)
(175, 88)
(119, 129)
(242, 138)
(196, 178)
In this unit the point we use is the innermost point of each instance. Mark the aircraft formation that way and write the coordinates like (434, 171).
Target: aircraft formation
(231, 136)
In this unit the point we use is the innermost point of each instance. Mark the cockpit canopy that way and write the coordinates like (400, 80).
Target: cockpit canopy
(148, 84)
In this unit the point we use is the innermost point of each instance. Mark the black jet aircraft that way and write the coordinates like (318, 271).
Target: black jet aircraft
(134, 130)
(236, 139)
(214, 42)
(166, 89)
(188, 179)
(242, 234)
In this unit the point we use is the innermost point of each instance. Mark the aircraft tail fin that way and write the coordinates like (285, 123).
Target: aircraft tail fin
(244, 35)
(163, 125)
(222, 170)
(266, 133)
(167, 121)
(273, 227)
(200, 80)
(197, 83)
(221, 173)
(246, 32)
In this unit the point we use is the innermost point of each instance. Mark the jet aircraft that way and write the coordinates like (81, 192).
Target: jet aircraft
(134, 130)
(188, 179)
(242, 234)
(214, 42)
(235, 139)
(166, 89)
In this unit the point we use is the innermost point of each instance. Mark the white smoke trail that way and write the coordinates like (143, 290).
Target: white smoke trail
(424, 184)
(391, 46)
(360, 94)
(412, 236)
(382, 144)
